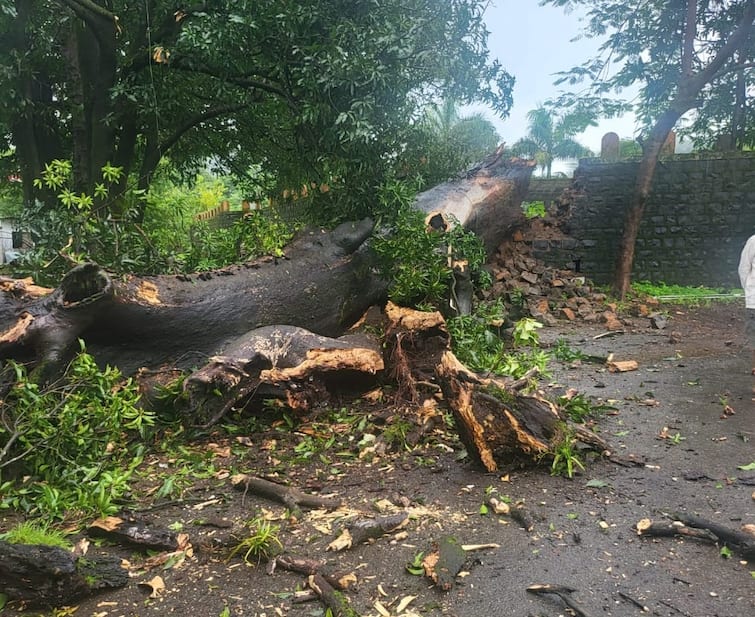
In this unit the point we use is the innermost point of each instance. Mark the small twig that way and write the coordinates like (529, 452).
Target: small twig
(606, 334)
(562, 592)
(637, 603)
(674, 608)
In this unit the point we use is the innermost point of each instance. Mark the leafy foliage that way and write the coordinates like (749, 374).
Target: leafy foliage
(479, 344)
(445, 143)
(168, 240)
(645, 49)
(416, 260)
(70, 440)
(306, 92)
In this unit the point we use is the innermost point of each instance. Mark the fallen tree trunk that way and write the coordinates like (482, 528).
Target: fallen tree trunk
(478, 199)
(324, 283)
(43, 575)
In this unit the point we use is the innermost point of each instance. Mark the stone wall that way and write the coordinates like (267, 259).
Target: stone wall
(700, 213)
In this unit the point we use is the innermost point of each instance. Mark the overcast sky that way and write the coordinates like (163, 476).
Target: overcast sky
(533, 43)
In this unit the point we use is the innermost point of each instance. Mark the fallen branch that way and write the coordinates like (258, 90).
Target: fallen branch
(305, 565)
(292, 498)
(134, 533)
(692, 526)
(363, 530)
(331, 597)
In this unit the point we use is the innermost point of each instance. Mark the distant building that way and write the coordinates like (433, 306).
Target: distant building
(12, 241)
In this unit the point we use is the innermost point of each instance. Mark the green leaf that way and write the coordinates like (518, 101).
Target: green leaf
(749, 467)
(597, 483)
(725, 552)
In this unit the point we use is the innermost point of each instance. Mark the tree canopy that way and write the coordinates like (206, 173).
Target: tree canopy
(686, 57)
(312, 91)
(693, 55)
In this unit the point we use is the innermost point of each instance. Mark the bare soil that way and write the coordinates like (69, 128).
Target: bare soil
(669, 417)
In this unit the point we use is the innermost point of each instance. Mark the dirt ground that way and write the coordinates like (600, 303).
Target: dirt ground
(669, 416)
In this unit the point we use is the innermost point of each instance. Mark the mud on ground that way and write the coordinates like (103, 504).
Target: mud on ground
(669, 416)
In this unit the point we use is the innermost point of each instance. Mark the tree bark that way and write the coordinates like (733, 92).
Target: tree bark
(485, 200)
(324, 283)
(49, 576)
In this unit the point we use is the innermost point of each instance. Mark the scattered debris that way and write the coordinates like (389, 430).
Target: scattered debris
(367, 529)
(444, 563)
(688, 525)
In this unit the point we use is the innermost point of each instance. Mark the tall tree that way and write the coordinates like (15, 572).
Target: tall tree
(681, 55)
(551, 137)
(310, 90)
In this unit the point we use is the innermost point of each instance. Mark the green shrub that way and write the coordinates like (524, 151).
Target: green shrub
(66, 447)
(417, 261)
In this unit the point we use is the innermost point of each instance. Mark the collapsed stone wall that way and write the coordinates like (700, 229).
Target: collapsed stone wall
(699, 215)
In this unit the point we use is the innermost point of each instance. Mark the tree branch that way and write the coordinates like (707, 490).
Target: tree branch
(198, 119)
(87, 9)
(690, 88)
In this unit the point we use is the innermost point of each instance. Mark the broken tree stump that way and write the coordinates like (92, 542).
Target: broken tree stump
(284, 362)
(497, 422)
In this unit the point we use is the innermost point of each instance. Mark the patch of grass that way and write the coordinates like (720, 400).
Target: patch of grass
(261, 544)
(34, 532)
(684, 295)
(566, 460)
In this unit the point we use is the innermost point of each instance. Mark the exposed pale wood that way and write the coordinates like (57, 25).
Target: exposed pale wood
(280, 361)
(485, 200)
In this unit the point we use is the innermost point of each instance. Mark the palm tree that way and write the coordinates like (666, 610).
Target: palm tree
(448, 143)
(551, 138)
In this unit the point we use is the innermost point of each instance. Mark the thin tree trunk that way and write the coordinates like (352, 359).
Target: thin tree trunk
(643, 184)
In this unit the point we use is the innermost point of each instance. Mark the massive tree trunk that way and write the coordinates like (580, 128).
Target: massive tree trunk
(324, 283)
(485, 200)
